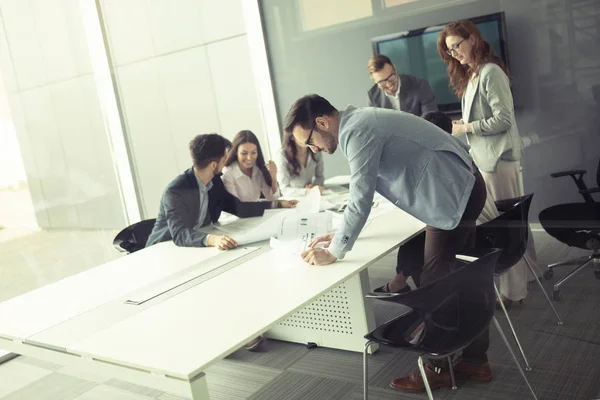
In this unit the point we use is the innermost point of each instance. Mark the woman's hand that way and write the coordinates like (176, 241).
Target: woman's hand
(310, 187)
(458, 128)
(272, 168)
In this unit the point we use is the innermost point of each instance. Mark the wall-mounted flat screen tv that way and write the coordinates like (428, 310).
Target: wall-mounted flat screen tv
(415, 53)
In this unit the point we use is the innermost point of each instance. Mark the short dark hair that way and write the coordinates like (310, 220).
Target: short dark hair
(207, 148)
(440, 119)
(376, 63)
(305, 110)
(243, 137)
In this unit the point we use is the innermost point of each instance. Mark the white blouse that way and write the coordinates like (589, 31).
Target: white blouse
(246, 188)
(295, 185)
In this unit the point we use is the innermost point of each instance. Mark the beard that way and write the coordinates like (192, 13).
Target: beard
(331, 144)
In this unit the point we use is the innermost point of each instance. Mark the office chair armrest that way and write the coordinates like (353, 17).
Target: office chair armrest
(590, 191)
(568, 173)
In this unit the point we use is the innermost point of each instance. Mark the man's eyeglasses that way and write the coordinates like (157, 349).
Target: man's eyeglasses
(310, 135)
(389, 79)
(454, 48)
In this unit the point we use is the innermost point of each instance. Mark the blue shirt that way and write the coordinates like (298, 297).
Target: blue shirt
(409, 161)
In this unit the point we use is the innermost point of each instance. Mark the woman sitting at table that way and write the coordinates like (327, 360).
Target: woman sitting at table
(301, 170)
(246, 175)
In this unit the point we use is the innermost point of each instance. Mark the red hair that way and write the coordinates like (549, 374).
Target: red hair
(482, 53)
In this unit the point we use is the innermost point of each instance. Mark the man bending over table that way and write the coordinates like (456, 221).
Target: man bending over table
(423, 171)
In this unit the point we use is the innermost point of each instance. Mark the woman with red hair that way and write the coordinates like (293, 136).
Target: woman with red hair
(481, 80)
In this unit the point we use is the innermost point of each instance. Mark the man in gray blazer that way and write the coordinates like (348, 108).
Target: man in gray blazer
(197, 197)
(395, 91)
(418, 167)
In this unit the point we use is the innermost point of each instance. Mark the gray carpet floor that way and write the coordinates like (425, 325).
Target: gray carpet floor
(565, 359)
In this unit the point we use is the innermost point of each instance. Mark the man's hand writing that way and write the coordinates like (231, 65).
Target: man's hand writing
(318, 257)
(325, 239)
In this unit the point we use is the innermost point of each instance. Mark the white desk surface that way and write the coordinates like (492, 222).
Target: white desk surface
(40, 309)
(184, 334)
(181, 335)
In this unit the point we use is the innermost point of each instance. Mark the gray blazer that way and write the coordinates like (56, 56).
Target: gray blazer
(490, 110)
(180, 208)
(416, 96)
(409, 161)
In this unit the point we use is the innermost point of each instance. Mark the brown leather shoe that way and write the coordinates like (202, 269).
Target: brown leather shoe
(473, 372)
(414, 382)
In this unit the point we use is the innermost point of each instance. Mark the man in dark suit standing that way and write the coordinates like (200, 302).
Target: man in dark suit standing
(395, 91)
(196, 198)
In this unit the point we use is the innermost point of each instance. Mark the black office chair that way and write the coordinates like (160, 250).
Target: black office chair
(134, 237)
(576, 225)
(450, 313)
(509, 232)
(577, 176)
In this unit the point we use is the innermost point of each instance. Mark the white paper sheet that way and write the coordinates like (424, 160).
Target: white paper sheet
(310, 203)
(250, 230)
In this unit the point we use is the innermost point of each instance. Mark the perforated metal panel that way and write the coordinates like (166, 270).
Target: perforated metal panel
(338, 319)
(329, 313)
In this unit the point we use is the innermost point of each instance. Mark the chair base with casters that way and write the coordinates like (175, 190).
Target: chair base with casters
(444, 317)
(582, 263)
(576, 225)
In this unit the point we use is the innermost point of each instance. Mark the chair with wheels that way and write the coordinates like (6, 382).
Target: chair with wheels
(576, 225)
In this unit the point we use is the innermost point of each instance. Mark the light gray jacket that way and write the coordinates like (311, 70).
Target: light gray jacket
(408, 160)
(490, 109)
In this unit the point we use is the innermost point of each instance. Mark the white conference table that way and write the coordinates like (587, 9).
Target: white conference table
(161, 316)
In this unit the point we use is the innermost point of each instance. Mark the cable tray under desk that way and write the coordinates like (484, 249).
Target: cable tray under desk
(338, 319)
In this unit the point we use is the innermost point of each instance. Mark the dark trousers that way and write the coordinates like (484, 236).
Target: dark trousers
(431, 255)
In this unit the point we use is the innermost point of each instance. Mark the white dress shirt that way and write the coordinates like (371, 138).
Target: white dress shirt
(247, 188)
(395, 99)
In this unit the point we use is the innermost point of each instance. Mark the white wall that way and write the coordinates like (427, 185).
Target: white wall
(54, 104)
(182, 68)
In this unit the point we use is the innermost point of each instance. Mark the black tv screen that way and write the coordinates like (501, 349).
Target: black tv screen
(415, 53)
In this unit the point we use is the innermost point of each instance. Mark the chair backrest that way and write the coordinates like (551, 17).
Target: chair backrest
(455, 308)
(134, 237)
(509, 232)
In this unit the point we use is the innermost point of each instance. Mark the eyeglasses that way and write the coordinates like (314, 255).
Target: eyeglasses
(389, 79)
(454, 48)
(310, 136)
